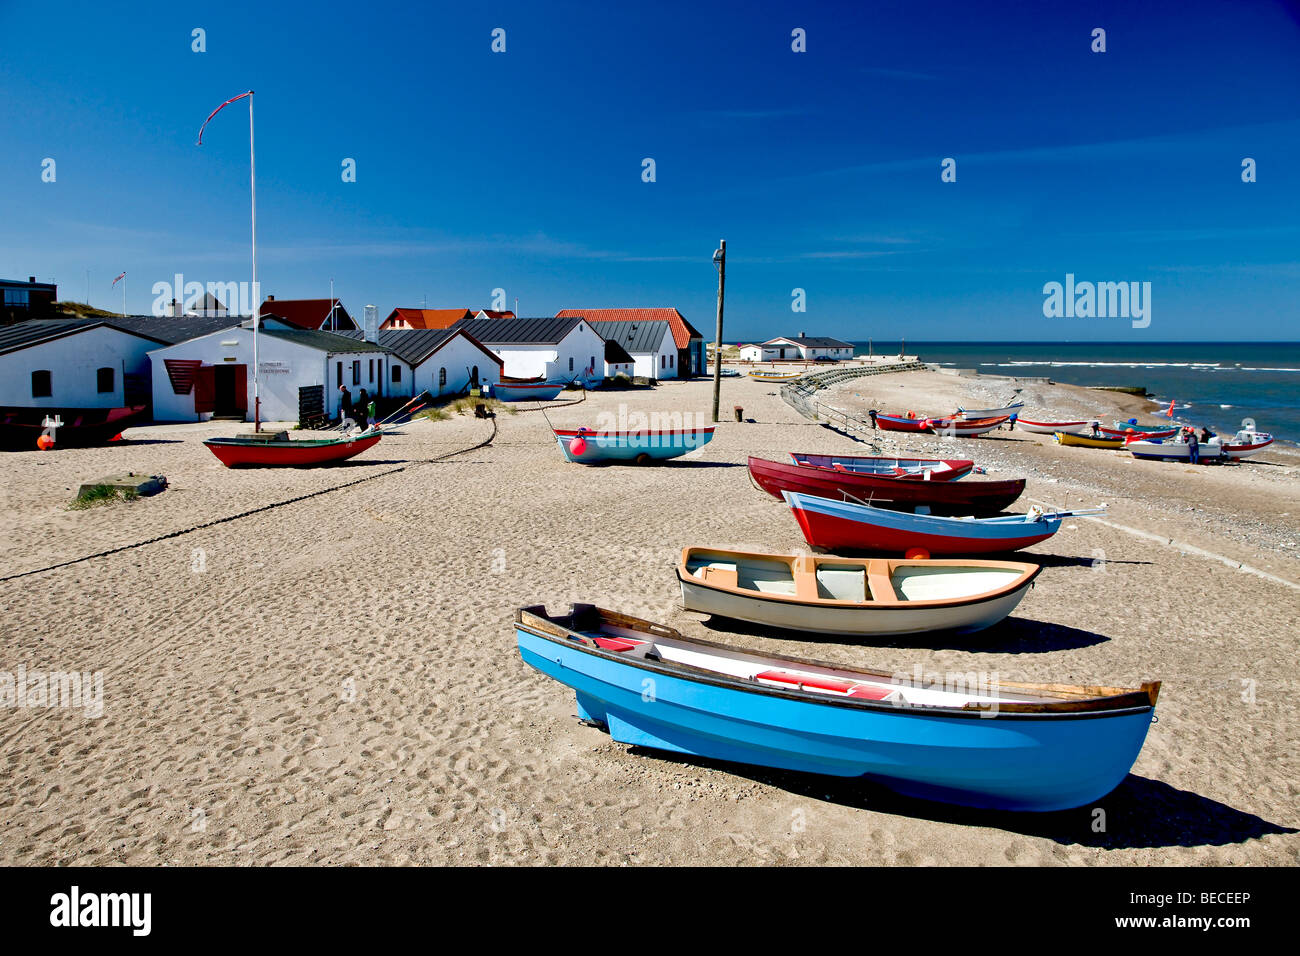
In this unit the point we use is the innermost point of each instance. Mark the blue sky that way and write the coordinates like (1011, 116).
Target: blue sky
(523, 170)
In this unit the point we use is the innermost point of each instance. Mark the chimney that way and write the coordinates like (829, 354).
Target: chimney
(31, 279)
(801, 335)
(270, 298)
(371, 324)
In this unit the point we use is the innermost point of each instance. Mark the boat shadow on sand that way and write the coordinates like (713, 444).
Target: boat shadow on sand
(1140, 813)
(1012, 635)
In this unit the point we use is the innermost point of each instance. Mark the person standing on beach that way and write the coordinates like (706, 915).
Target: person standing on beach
(1193, 447)
(345, 404)
(363, 409)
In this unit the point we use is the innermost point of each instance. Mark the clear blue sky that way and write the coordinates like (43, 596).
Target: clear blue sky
(522, 170)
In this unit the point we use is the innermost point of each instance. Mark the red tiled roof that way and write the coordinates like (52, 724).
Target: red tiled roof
(304, 313)
(426, 318)
(492, 314)
(683, 331)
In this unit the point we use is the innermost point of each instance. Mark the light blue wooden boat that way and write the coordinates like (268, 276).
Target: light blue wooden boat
(983, 744)
(526, 391)
(591, 447)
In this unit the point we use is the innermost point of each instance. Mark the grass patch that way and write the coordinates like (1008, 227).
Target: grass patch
(102, 494)
(434, 414)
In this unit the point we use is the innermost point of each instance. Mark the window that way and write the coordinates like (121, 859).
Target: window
(672, 361)
(340, 373)
(397, 373)
(592, 366)
(372, 370)
(356, 371)
(442, 378)
(42, 387)
(104, 380)
(570, 363)
(662, 362)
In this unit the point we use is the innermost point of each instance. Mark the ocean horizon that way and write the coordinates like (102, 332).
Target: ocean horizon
(1211, 383)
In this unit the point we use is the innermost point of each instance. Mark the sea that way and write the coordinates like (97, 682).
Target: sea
(1211, 383)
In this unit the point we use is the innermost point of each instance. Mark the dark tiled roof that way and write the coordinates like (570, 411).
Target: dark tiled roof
(633, 336)
(173, 329)
(35, 331)
(332, 343)
(413, 346)
(543, 331)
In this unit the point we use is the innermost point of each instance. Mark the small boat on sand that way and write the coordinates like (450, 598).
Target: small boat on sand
(1051, 428)
(919, 469)
(21, 427)
(819, 594)
(901, 423)
(1243, 445)
(276, 449)
(520, 390)
(1005, 410)
(937, 497)
(967, 427)
(982, 743)
(1129, 434)
(589, 447)
(849, 526)
(1088, 441)
(774, 376)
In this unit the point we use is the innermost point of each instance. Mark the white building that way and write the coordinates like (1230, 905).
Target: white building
(559, 349)
(651, 345)
(442, 362)
(74, 363)
(211, 375)
(803, 347)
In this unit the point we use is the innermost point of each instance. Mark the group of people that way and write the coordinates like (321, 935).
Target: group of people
(360, 412)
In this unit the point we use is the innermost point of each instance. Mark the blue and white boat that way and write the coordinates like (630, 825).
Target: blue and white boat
(976, 742)
(527, 391)
(591, 447)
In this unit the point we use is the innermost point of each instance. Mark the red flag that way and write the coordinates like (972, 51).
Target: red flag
(1170, 413)
(218, 110)
(118, 279)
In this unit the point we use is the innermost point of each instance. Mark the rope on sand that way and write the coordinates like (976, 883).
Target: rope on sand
(254, 511)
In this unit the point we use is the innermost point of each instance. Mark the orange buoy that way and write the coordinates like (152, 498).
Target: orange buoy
(45, 443)
(917, 554)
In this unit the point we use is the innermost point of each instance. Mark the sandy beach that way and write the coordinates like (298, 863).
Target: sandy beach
(335, 680)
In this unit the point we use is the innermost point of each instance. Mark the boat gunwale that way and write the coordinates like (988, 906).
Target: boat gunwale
(591, 433)
(1076, 701)
(292, 443)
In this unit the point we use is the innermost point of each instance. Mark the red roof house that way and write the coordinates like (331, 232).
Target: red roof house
(425, 318)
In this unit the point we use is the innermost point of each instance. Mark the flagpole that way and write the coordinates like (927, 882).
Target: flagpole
(257, 296)
(124, 295)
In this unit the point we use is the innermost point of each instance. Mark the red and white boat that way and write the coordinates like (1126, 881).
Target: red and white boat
(1130, 434)
(966, 428)
(919, 469)
(899, 423)
(248, 451)
(20, 427)
(1051, 428)
(970, 414)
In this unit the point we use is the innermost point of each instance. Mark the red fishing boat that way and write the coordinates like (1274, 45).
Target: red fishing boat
(898, 423)
(917, 469)
(278, 450)
(938, 497)
(20, 427)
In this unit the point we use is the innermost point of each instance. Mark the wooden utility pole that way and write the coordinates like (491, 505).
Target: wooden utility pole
(720, 260)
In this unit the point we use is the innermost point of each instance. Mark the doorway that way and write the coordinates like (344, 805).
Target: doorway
(230, 387)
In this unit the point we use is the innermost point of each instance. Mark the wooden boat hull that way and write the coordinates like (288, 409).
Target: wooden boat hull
(1055, 756)
(1136, 435)
(847, 526)
(975, 594)
(941, 497)
(1087, 441)
(912, 469)
(1051, 428)
(306, 453)
(774, 379)
(635, 446)
(897, 423)
(526, 391)
(21, 426)
(968, 428)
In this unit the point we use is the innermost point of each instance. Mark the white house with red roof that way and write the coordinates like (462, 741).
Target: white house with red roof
(689, 343)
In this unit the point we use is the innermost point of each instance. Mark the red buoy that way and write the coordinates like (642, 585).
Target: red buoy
(917, 554)
(578, 446)
(45, 443)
